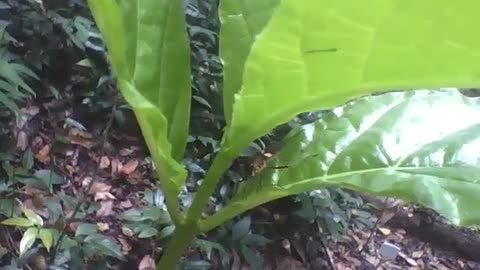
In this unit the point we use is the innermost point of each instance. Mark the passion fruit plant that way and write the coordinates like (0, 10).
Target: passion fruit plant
(285, 57)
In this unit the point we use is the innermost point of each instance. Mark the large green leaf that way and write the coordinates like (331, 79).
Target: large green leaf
(315, 54)
(241, 21)
(148, 46)
(420, 146)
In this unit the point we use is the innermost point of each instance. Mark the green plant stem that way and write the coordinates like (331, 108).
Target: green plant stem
(234, 209)
(185, 232)
(182, 238)
(220, 164)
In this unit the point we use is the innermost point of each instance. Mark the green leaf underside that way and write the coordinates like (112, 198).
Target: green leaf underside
(318, 54)
(421, 146)
(148, 46)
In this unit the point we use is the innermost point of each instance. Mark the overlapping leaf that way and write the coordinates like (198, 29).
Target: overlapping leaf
(149, 51)
(420, 146)
(241, 21)
(315, 54)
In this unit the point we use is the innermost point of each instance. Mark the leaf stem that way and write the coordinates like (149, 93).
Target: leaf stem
(182, 238)
(185, 232)
(220, 164)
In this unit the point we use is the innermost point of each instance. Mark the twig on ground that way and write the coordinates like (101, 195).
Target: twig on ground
(331, 262)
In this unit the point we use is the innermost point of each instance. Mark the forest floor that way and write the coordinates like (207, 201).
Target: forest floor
(108, 171)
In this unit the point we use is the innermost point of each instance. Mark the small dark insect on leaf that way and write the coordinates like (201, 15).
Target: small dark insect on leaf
(321, 50)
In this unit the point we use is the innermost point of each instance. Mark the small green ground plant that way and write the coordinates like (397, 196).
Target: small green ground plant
(285, 57)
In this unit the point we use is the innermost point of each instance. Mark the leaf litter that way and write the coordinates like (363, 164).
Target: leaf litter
(65, 157)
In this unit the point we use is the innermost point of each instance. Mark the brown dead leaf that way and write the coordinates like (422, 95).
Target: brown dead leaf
(44, 154)
(104, 162)
(103, 227)
(73, 226)
(126, 151)
(100, 190)
(147, 263)
(417, 254)
(126, 247)
(31, 110)
(106, 209)
(372, 259)
(70, 169)
(126, 204)
(135, 178)
(102, 196)
(130, 166)
(22, 140)
(116, 165)
(342, 266)
(80, 141)
(385, 231)
(79, 133)
(40, 262)
(95, 187)
(409, 260)
(356, 262)
(127, 231)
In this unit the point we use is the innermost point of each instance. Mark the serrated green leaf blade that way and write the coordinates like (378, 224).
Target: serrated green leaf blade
(319, 54)
(419, 146)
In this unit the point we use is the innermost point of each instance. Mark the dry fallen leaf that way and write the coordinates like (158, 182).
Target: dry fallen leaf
(127, 231)
(44, 154)
(135, 178)
(116, 165)
(409, 260)
(95, 187)
(101, 191)
(105, 209)
(70, 169)
(22, 140)
(417, 254)
(126, 204)
(104, 162)
(126, 151)
(385, 231)
(101, 196)
(147, 263)
(79, 133)
(130, 166)
(342, 266)
(126, 247)
(31, 110)
(103, 227)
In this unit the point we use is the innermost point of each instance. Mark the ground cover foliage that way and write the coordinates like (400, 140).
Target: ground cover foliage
(78, 189)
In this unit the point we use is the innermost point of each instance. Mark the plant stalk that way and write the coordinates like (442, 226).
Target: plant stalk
(185, 232)
(182, 238)
(220, 164)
